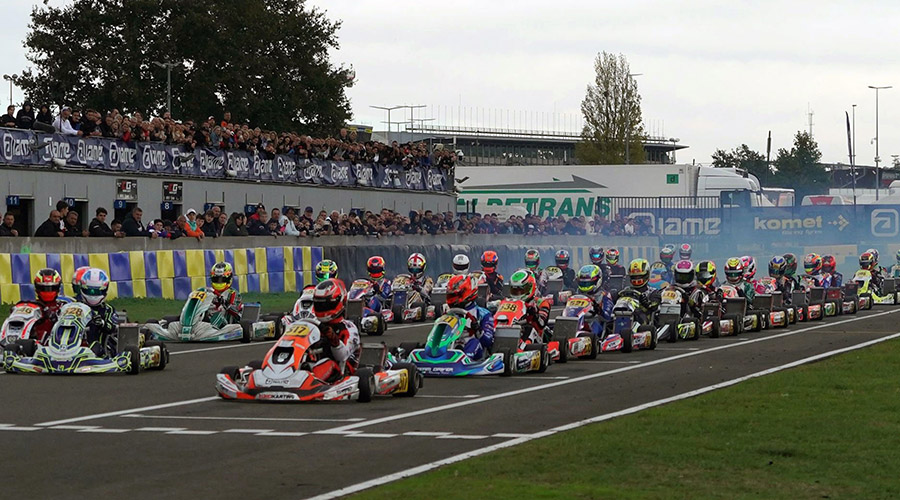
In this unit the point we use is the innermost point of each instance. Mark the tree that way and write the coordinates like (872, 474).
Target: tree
(266, 61)
(745, 158)
(799, 167)
(612, 115)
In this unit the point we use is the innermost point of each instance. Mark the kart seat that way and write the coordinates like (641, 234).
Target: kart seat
(888, 286)
(851, 290)
(354, 310)
(373, 354)
(250, 312)
(833, 293)
(816, 295)
(798, 298)
(777, 299)
(129, 335)
(763, 301)
(736, 306)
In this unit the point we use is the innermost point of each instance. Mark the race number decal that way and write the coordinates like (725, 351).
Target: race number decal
(578, 303)
(298, 330)
(198, 294)
(508, 307)
(449, 320)
(670, 295)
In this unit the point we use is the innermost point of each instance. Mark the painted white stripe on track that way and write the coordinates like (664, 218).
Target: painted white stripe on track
(251, 419)
(219, 348)
(592, 376)
(130, 410)
(600, 418)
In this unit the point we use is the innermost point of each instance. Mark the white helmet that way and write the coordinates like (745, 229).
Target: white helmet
(460, 264)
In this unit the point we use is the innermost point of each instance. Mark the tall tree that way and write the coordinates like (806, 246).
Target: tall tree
(800, 168)
(266, 61)
(745, 158)
(612, 115)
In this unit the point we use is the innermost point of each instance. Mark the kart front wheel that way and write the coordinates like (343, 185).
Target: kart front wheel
(163, 353)
(246, 331)
(134, 356)
(507, 362)
(366, 385)
(232, 371)
(412, 382)
(627, 340)
(673, 332)
(595, 346)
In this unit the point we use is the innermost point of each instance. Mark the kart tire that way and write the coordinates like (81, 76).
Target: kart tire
(134, 355)
(163, 353)
(653, 333)
(380, 327)
(247, 330)
(804, 310)
(627, 341)
(507, 362)
(366, 385)
(167, 319)
(595, 346)
(421, 306)
(412, 385)
(821, 314)
(256, 364)
(698, 325)
(398, 313)
(737, 321)
(545, 357)
(564, 351)
(673, 333)
(407, 348)
(26, 347)
(232, 371)
(792, 319)
(714, 333)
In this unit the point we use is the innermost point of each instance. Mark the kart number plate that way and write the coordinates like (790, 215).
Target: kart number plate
(298, 330)
(578, 303)
(508, 307)
(670, 295)
(198, 294)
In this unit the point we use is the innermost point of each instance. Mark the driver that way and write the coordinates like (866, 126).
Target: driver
(533, 264)
(416, 266)
(326, 269)
(494, 280)
(612, 263)
(705, 276)
(666, 256)
(812, 264)
(460, 264)
(895, 269)
(226, 299)
(867, 262)
(340, 356)
(590, 283)
(776, 270)
(523, 286)
(462, 290)
(568, 274)
(102, 331)
(829, 267)
(734, 275)
(381, 285)
(47, 285)
(790, 270)
(684, 251)
(639, 277)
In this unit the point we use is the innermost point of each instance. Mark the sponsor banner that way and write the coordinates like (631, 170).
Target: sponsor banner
(24, 147)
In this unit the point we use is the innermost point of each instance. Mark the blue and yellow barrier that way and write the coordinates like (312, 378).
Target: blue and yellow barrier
(168, 274)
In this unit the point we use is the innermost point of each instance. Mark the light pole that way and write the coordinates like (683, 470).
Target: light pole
(388, 109)
(168, 67)
(877, 142)
(412, 109)
(853, 155)
(628, 119)
(10, 79)
(674, 141)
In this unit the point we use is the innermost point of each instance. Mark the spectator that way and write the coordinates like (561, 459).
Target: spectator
(43, 116)
(72, 229)
(177, 229)
(132, 226)
(63, 125)
(25, 117)
(259, 226)
(236, 225)
(50, 227)
(191, 227)
(210, 224)
(222, 221)
(63, 208)
(99, 228)
(8, 120)
(7, 229)
(116, 226)
(160, 229)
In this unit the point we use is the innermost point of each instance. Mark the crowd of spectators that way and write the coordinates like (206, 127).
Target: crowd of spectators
(227, 134)
(213, 223)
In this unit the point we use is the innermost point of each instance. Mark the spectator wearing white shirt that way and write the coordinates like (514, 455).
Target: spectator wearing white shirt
(62, 124)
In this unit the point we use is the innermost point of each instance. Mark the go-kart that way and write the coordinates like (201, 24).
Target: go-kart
(580, 329)
(627, 332)
(200, 321)
(556, 285)
(510, 320)
(65, 349)
(20, 324)
(754, 320)
(407, 304)
(720, 316)
(849, 298)
(865, 288)
(779, 315)
(776, 317)
(364, 308)
(442, 354)
(292, 369)
(674, 317)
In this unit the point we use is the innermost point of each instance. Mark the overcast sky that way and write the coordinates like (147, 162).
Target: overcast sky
(714, 75)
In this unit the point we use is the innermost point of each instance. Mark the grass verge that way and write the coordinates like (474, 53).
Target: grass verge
(827, 430)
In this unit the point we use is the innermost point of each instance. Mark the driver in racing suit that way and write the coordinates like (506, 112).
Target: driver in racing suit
(734, 275)
(462, 290)
(102, 331)
(895, 269)
(568, 274)
(590, 284)
(416, 266)
(494, 280)
(612, 267)
(523, 286)
(829, 267)
(639, 277)
(790, 271)
(868, 263)
(782, 284)
(380, 284)
(533, 264)
(666, 257)
(226, 298)
(47, 285)
(326, 269)
(340, 356)
(705, 279)
(812, 264)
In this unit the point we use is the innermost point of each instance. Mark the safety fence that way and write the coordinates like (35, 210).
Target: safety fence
(168, 274)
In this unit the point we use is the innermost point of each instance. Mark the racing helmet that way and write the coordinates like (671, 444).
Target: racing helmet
(460, 264)
(375, 267)
(47, 285)
(667, 254)
(596, 254)
(734, 270)
(812, 264)
(706, 273)
(94, 286)
(415, 264)
(639, 272)
(562, 259)
(874, 254)
(462, 290)
(220, 276)
(532, 259)
(684, 251)
(489, 261)
(76, 280)
(329, 300)
(776, 266)
(523, 286)
(790, 264)
(326, 269)
(589, 279)
(829, 264)
(867, 261)
(749, 267)
(898, 256)
(612, 256)
(684, 272)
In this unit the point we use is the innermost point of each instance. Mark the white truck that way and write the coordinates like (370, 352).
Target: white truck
(586, 190)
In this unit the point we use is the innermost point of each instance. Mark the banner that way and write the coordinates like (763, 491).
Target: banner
(25, 147)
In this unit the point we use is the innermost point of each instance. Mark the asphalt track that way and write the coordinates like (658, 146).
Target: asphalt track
(166, 434)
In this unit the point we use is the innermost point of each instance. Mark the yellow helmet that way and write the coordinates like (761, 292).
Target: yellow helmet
(639, 272)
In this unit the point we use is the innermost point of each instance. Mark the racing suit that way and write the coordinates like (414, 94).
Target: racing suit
(895, 271)
(668, 276)
(541, 278)
(696, 296)
(481, 331)
(537, 315)
(568, 276)
(837, 279)
(610, 271)
(49, 315)
(745, 289)
(423, 285)
(819, 280)
(649, 302)
(230, 302)
(602, 307)
(494, 282)
(102, 330)
(382, 289)
(340, 356)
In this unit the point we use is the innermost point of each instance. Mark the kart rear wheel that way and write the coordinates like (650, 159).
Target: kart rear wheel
(163, 353)
(595, 346)
(673, 332)
(507, 362)
(737, 321)
(380, 327)
(563, 351)
(652, 332)
(412, 383)
(398, 313)
(366, 385)
(627, 339)
(698, 325)
(247, 331)
(26, 347)
(804, 312)
(232, 371)
(134, 356)
(545, 356)
(714, 333)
